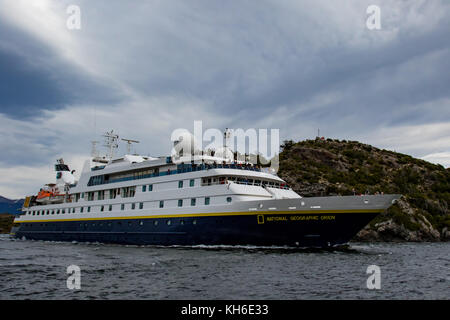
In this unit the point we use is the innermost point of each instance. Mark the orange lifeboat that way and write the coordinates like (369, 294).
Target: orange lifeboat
(49, 195)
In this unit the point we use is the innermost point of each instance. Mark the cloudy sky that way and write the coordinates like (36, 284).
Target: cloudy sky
(147, 67)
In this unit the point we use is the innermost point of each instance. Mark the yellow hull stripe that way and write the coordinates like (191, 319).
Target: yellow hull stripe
(199, 215)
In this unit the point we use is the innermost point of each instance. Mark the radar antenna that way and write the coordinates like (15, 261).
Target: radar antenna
(111, 142)
(129, 143)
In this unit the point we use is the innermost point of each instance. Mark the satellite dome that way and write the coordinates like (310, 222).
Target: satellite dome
(224, 152)
(185, 144)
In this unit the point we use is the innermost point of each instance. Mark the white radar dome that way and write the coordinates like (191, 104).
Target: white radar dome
(224, 152)
(185, 144)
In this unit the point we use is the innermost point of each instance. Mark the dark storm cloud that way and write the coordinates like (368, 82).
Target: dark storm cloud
(33, 78)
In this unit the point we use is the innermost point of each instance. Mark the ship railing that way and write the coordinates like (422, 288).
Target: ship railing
(182, 168)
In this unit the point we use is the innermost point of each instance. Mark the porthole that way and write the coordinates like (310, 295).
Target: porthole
(169, 222)
(155, 222)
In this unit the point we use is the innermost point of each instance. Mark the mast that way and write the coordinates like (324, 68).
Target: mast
(111, 143)
(129, 143)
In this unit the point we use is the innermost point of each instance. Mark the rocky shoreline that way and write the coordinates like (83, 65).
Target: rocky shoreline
(326, 167)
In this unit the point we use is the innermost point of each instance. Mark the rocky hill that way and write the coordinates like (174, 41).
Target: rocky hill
(332, 167)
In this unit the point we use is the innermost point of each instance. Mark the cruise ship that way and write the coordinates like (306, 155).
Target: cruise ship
(188, 200)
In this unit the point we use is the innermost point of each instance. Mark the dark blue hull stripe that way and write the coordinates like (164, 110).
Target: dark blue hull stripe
(314, 230)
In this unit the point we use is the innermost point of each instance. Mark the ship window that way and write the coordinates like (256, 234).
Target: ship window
(53, 211)
(161, 204)
(180, 184)
(34, 213)
(229, 199)
(82, 195)
(141, 205)
(182, 222)
(169, 222)
(191, 182)
(81, 209)
(48, 212)
(150, 187)
(141, 223)
(133, 206)
(102, 208)
(58, 212)
(122, 206)
(73, 210)
(180, 202)
(144, 188)
(193, 202)
(155, 222)
(89, 209)
(194, 222)
(110, 207)
(207, 199)
(63, 211)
